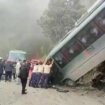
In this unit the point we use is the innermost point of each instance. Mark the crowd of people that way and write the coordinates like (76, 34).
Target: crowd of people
(39, 74)
(37, 71)
(7, 68)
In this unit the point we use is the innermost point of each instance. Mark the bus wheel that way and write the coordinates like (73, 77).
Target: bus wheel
(69, 82)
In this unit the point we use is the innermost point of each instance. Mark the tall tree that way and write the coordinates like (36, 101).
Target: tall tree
(60, 17)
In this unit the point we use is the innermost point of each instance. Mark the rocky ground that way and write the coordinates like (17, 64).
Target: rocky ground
(10, 94)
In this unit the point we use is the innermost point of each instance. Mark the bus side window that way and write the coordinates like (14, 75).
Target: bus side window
(65, 54)
(75, 49)
(95, 31)
(90, 34)
(59, 58)
(100, 20)
(68, 52)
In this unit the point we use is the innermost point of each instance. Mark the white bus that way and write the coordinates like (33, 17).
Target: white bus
(84, 47)
(15, 55)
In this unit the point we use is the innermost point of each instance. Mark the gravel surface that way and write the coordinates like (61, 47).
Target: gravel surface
(10, 94)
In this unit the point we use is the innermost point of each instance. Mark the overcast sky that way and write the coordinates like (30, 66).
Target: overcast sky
(18, 23)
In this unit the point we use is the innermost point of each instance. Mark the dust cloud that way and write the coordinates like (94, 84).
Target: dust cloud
(18, 25)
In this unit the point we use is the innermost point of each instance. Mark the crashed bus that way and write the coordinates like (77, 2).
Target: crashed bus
(83, 48)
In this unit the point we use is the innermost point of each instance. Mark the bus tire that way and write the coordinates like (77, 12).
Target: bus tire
(68, 82)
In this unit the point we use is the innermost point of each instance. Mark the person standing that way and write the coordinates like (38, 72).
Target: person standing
(23, 75)
(14, 71)
(40, 73)
(30, 72)
(1, 68)
(34, 75)
(8, 70)
(46, 73)
(18, 65)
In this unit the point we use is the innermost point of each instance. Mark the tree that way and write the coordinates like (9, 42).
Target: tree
(60, 17)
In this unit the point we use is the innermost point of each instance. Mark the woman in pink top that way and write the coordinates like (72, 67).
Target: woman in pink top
(31, 71)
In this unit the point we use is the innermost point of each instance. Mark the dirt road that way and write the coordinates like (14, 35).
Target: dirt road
(10, 95)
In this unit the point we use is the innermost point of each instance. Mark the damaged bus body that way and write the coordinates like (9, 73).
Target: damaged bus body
(84, 47)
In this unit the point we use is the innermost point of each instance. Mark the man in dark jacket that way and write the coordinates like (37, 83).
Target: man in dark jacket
(1, 68)
(8, 70)
(23, 75)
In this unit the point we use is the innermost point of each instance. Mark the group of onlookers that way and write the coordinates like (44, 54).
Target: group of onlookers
(18, 69)
(7, 68)
(37, 71)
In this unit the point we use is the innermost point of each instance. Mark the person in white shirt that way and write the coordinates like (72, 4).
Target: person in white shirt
(18, 65)
(40, 72)
(32, 64)
(46, 73)
(34, 75)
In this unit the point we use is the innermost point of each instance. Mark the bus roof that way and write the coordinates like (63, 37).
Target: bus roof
(17, 51)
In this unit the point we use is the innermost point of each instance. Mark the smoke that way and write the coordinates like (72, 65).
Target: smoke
(18, 25)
